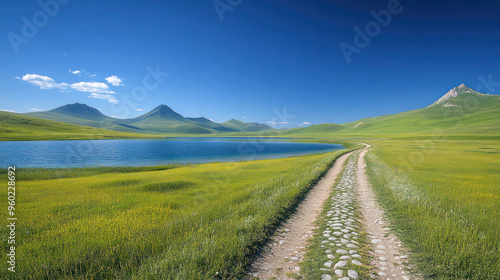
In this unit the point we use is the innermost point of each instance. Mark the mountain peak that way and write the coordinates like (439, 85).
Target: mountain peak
(454, 92)
(236, 122)
(163, 107)
(163, 112)
(79, 110)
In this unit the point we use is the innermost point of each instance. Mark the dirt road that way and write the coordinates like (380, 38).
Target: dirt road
(286, 250)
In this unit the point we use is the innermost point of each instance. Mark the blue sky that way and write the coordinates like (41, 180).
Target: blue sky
(262, 60)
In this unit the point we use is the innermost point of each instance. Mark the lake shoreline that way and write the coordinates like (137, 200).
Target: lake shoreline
(155, 152)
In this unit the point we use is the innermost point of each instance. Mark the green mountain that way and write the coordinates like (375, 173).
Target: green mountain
(82, 114)
(162, 112)
(163, 119)
(460, 112)
(15, 126)
(160, 120)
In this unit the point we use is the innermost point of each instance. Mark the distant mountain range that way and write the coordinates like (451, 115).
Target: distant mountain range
(460, 113)
(160, 120)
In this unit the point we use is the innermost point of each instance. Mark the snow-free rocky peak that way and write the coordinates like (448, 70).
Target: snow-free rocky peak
(461, 89)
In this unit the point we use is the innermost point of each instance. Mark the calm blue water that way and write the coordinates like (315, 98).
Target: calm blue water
(87, 153)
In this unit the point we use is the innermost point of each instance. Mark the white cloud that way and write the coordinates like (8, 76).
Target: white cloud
(97, 90)
(305, 124)
(5, 110)
(93, 87)
(140, 110)
(108, 97)
(35, 109)
(43, 82)
(82, 72)
(114, 81)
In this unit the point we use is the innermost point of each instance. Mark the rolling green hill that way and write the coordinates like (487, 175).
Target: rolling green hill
(15, 126)
(462, 112)
(243, 126)
(324, 128)
(160, 120)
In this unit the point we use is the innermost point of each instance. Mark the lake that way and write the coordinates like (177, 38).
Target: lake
(149, 152)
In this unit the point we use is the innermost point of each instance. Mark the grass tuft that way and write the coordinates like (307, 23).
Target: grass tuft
(168, 186)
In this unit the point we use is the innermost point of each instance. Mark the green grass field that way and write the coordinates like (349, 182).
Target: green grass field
(444, 198)
(170, 222)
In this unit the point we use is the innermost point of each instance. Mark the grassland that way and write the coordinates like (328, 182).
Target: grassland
(171, 222)
(444, 199)
(15, 127)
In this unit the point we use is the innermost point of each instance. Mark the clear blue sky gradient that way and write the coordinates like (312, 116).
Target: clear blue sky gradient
(264, 56)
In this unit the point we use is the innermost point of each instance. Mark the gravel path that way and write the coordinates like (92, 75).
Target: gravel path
(388, 254)
(340, 239)
(283, 253)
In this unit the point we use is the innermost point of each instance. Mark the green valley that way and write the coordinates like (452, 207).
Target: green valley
(434, 170)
